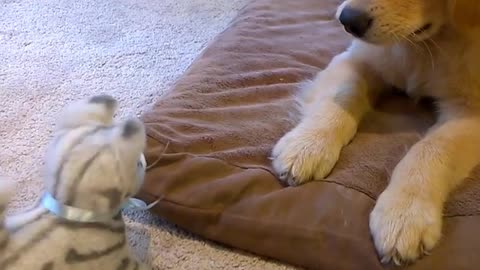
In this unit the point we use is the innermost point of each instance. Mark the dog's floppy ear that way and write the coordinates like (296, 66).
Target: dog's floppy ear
(465, 13)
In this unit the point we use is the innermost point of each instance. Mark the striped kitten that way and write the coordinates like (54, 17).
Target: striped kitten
(92, 167)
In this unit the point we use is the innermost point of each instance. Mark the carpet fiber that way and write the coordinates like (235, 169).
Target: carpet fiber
(56, 51)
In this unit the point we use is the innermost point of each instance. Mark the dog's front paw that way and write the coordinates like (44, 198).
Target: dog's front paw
(301, 156)
(405, 226)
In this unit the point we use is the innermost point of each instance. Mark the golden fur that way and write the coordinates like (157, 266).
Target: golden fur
(428, 48)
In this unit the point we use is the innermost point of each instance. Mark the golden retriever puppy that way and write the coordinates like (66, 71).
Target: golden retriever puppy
(428, 48)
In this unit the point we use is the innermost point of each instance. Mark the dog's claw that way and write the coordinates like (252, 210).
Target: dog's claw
(386, 259)
(396, 260)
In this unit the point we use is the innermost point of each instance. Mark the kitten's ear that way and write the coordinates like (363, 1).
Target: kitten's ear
(130, 142)
(132, 136)
(95, 110)
(465, 13)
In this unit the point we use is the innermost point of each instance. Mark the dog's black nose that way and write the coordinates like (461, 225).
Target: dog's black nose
(356, 22)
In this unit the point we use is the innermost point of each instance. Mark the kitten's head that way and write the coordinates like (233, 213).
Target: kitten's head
(92, 162)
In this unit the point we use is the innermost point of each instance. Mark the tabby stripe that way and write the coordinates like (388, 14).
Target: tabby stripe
(4, 241)
(114, 196)
(58, 137)
(74, 257)
(48, 266)
(97, 226)
(40, 236)
(72, 194)
(31, 221)
(79, 140)
(124, 264)
(54, 144)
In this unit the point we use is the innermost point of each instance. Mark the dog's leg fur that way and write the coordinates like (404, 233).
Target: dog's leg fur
(333, 105)
(407, 219)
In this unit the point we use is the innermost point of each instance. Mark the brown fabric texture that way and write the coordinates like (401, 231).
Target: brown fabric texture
(222, 118)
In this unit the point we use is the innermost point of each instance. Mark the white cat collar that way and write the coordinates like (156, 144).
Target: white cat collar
(87, 216)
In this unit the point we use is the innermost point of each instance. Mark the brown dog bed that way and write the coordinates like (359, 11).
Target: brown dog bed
(223, 117)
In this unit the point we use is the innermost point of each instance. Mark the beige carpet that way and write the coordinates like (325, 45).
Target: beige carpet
(55, 51)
